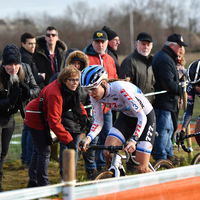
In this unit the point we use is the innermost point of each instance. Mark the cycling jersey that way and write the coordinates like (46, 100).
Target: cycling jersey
(125, 97)
(191, 91)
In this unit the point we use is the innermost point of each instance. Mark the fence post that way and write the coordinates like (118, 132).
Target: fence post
(69, 174)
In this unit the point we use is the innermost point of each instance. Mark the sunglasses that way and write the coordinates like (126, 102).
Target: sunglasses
(53, 35)
(73, 80)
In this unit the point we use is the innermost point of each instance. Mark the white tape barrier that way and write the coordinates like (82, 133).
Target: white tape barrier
(106, 186)
(136, 181)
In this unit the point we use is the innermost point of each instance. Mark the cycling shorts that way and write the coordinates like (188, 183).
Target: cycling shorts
(124, 127)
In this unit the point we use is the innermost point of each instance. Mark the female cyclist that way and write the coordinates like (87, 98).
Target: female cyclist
(136, 120)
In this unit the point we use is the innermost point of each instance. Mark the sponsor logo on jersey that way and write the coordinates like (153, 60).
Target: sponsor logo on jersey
(123, 91)
(189, 96)
(149, 134)
(94, 127)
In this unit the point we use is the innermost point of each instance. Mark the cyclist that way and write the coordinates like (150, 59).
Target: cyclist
(193, 88)
(136, 119)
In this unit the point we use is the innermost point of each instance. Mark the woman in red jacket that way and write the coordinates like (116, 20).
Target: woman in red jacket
(58, 97)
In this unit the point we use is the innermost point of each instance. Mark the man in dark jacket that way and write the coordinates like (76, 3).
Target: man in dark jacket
(28, 44)
(138, 65)
(27, 49)
(166, 75)
(113, 43)
(50, 53)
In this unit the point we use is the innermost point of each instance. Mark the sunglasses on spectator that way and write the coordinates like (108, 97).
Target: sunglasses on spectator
(49, 34)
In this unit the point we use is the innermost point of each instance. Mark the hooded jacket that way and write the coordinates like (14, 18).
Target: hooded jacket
(68, 118)
(108, 62)
(54, 104)
(139, 69)
(42, 59)
(166, 75)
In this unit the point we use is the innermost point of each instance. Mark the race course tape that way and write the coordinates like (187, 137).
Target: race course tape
(117, 185)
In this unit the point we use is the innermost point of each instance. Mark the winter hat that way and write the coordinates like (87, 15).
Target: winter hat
(11, 54)
(100, 35)
(143, 36)
(110, 33)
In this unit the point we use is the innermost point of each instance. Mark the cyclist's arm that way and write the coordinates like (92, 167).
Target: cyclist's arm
(98, 119)
(136, 108)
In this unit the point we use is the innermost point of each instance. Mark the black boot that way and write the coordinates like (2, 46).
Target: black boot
(1, 175)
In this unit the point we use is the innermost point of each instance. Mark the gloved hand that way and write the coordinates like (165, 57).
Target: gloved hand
(16, 93)
(71, 145)
(179, 136)
(25, 90)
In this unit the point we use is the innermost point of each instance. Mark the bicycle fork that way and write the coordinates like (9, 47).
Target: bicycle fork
(116, 165)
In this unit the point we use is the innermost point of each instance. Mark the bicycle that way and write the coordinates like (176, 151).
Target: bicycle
(196, 159)
(116, 169)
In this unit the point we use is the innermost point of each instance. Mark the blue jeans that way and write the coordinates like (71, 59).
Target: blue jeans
(100, 139)
(27, 145)
(164, 126)
(40, 158)
(76, 139)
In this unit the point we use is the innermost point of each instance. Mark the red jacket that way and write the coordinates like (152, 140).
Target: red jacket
(108, 64)
(52, 108)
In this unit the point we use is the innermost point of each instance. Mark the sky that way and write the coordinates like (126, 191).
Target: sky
(12, 8)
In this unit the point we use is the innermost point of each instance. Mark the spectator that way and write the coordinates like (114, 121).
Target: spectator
(113, 43)
(97, 54)
(57, 97)
(27, 49)
(136, 120)
(138, 67)
(15, 91)
(80, 61)
(49, 54)
(193, 89)
(166, 76)
(181, 74)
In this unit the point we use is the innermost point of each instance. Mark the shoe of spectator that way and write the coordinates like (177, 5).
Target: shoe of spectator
(91, 174)
(102, 169)
(32, 183)
(176, 158)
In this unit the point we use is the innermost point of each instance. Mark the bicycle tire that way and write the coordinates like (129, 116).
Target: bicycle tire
(196, 160)
(162, 164)
(104, 175)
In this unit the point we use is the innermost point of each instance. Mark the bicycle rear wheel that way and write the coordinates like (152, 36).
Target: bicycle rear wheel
(106, 174)
(162, 164)
(196, 159)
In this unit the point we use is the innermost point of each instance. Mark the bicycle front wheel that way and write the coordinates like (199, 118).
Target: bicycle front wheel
(162, 164)
(106, 174)
(196, 159)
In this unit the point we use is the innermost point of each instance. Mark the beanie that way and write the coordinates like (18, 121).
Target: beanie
(110, 33)
(11, 54)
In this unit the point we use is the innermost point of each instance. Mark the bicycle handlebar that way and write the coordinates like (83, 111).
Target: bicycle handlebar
(111, 149)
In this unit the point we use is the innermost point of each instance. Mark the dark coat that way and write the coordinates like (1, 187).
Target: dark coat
(139, 69)
(6, 110)
(27, 57)
(42, 58)
(166, 75)
(113, 54)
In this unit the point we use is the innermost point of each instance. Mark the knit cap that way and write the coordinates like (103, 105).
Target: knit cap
(110, 33)
(11, 54)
